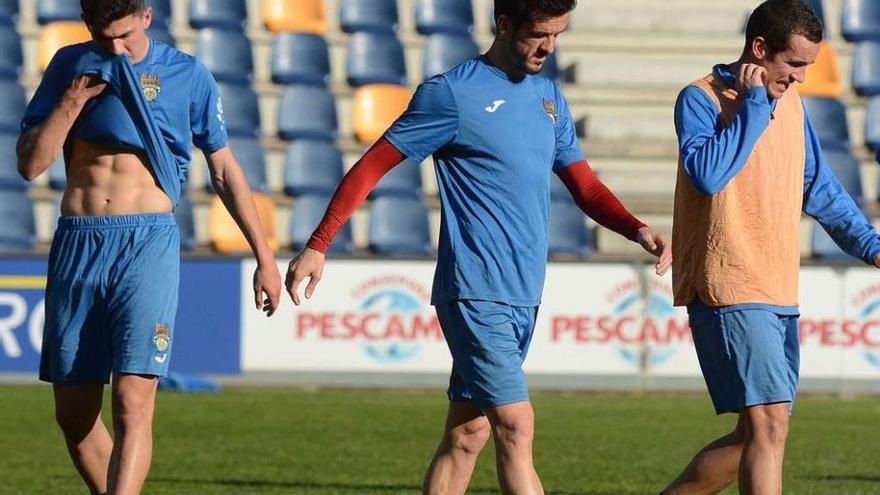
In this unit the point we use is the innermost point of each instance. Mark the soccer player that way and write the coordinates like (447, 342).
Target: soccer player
(496, 129)
(126, 111)
(750, 162)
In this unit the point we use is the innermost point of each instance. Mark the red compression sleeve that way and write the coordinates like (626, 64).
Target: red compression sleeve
(353, 190)
(597, 201)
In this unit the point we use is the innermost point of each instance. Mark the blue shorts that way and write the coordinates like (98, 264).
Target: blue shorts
(111, 297)
(748, 356)
(489, 342)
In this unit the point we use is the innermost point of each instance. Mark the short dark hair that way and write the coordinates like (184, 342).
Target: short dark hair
(526, 11)
(100, 13)
(778, 20)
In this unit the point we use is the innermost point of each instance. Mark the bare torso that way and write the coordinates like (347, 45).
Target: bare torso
(111, 181)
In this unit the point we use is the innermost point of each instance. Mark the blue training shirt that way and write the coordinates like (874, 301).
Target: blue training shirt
(179, 91)
(712, 156)
(495, 141)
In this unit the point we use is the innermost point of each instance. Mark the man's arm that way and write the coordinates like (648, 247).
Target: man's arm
(232, 188)
(711, 157)
(826, 200)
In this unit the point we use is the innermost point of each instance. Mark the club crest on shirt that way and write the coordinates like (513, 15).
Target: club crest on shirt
(150, 86)
(550, 108)
(161, 337)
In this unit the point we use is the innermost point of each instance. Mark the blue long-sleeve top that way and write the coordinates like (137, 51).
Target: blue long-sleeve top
(712, 156)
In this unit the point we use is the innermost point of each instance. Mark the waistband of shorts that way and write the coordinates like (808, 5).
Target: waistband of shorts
(115, 221)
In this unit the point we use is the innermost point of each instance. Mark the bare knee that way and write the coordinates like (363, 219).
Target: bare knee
(471, 437)
(76, 421)
(768, 425)
(132, 410)
(515, 430)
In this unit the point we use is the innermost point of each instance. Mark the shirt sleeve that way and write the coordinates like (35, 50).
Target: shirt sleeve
(206, 112)
(429, 123)
(56, 80)
(826, 200)
(568, 148)
(711, 154)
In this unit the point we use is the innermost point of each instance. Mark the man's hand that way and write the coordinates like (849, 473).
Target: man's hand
(85, 88)
(267, 280)
(750, 76)
(659, 246)
(877, 261)
(308, 263)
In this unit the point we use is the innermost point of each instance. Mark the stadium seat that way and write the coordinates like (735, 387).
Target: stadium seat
(558, 191)
(828, 116)
(9, 178)
(8, 12)
(312, 168)
(300, 58)
(823, 77)
(399, 227)
(569, 235)
(12, 106)
(846, 168)
(18, 229)
(58, 174)
(872, 124)
(306, 215)
(224, 232)
(375, 58)
(227, 54)
(860, 20)
(251, 156)
(375, 108)
(49, 11)
(224, 14)
(823, 246)
(444, 51)
(10, 53)
(186, 223)
(241, 110)
(306, 16)
(307, 112)
(368, 15)
(866, 69)
(161, 13)
(162, 34)
(58, 35)
(402, 181)
(444, 16)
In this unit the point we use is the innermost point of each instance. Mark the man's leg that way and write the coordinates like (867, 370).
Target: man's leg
(714, 468)
(513, 426)
(760, 470)
(78, 413)
(134, 398)
(465, 434)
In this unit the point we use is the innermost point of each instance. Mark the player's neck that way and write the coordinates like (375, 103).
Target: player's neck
(498, 57)
(139, 56)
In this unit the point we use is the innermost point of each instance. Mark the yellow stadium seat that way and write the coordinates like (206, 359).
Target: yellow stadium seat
(58, 35)
(225, 235)
(823, 77)
(295, 15)
(375, 107)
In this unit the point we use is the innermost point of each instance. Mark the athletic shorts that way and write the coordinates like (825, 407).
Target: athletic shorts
(748, 356)
(489, 342)
(111, 297)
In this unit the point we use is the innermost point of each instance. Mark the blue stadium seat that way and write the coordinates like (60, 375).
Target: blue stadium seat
(828, 116)
(375, 58)
(10, 53)
(161, 13)
(569, 234)
(300, 58)
(225, 14)
(861, 20)
(846, 168)
(8, 12)
(368, 15)
(872, 124)
(57, 10)
(558, 190)
(58, 174)
(399, 227)
(9, 177)
(312, 168)
(306, 215)
(251, 156)
(307, 112)
(866, 68)
(824, 247)
(402, 181)
(160, 33)
(186, 223)
(227, 54)
(241, 110)
(819, 9)
(445, 51)
(444, 16)
(12, 106)
(17, 230)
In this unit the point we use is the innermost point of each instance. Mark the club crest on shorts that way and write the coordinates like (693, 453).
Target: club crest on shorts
(161, 337)
(150, 86)
(550, 108)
